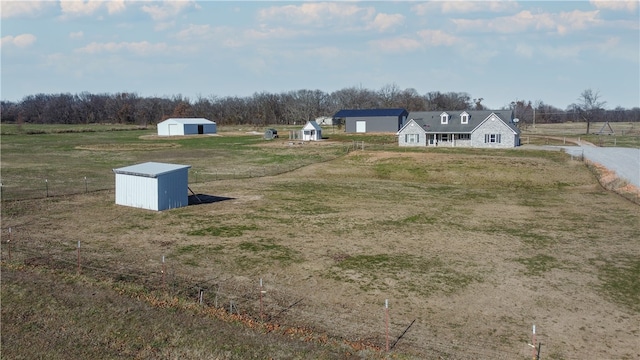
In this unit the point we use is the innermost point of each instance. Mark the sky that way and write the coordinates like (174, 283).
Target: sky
(502, 51)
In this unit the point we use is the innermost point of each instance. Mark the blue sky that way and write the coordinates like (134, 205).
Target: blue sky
(500, 51)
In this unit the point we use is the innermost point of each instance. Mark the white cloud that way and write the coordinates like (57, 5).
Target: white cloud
(617, 5)
(79, 8)
(167, 9)
(222, 35)
(21, 41)
(271, 33)
(525, 20)
(382, 22)
(76, 35)
(115, 6)
(10, 9)
(316, 14)
(437, 38)
(396, 45)
(477, 6)
(138, 48)
(463, 7)
(194, 32)
(424, 38)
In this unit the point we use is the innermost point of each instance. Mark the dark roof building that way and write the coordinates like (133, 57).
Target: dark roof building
(371, 120)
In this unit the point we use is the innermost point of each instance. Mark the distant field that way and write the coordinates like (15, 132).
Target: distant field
(471, 247)
(623, 134)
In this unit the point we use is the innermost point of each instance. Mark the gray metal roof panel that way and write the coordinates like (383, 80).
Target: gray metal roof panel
(369, 112)
(150, 169)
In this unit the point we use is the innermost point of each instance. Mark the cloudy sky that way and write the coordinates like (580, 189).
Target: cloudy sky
(500, 51)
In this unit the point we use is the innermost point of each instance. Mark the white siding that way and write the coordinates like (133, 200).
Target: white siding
(167, 190)
(311, 131)
(186, 126)
(137, 191)
(175, 129)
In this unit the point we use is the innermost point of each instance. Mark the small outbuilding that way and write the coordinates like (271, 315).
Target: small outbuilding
(153, 186)
(186, 126)
(311, 131)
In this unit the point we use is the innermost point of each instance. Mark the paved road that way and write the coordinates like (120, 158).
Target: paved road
(624, 161)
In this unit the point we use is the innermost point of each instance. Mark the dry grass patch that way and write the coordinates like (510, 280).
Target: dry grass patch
(129, 147)
(472, 244)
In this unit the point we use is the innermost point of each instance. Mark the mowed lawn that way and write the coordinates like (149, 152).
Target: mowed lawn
(470, 247)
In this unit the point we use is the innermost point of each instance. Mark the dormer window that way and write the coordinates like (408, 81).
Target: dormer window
(444, 118)
(464, 118)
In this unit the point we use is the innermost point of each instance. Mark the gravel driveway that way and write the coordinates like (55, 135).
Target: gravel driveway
(624, 161)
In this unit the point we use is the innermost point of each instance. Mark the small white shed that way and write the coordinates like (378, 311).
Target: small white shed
(186, 126)
(153, 186)
(311, 131)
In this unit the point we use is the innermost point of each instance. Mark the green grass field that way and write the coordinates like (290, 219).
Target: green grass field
(470, 246)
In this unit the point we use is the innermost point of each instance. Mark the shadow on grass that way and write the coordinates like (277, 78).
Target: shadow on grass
(199, 199)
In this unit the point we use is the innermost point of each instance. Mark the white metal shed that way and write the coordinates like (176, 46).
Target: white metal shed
(153, 186)
(186, 126)
(312, 131)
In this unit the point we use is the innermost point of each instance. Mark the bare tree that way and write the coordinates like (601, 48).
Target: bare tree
(590, 105)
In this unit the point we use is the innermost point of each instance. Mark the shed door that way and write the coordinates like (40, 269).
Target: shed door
(173, 129)
(200, 129)
(361, 126)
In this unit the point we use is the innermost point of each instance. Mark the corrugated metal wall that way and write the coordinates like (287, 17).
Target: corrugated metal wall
(167, 191)
(137, 191)
(173, 190)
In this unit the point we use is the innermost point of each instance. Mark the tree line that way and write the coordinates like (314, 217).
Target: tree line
(263, 108)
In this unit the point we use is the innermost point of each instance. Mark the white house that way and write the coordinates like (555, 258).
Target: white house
(311, 131)
(153, 186)
(470, 128)
(186, 126)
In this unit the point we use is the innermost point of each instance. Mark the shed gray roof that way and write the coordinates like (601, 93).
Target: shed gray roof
(430, 120)
(190, 121)
(150, 169)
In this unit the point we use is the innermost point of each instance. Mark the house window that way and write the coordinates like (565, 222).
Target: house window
(492, 139)
(412, 138)
(444, 118)
(464, 136)
(464, 118)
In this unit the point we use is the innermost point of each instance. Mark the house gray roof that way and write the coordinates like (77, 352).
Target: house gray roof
(190, 121)
(430, 120)
(369, 112)
(149, 169)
